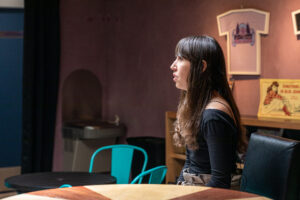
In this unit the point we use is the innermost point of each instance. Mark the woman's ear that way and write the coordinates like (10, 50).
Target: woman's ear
(204, 63)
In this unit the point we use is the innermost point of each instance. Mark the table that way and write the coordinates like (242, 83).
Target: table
(48, 180)
(137, 192)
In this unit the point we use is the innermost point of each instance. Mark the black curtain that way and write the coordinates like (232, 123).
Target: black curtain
(40, 83)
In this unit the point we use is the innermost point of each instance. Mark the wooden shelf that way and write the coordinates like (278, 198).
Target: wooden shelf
(271, 122)
(175, 160)
(178, 156)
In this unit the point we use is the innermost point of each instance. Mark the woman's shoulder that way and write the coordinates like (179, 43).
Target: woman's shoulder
(218, 119)
(215, 115)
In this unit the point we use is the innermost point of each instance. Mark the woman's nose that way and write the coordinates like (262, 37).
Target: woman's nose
(173, 66)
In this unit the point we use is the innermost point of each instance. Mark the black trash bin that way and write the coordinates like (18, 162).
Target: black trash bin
(291, 134)
(155, 148)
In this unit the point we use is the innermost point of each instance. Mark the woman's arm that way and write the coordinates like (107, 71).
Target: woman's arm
(186, 165)
(221, 150)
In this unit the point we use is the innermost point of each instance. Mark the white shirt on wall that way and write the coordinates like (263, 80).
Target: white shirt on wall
(243, 28)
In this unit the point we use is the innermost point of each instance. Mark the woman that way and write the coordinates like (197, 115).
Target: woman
(273, 101)
(208, 120)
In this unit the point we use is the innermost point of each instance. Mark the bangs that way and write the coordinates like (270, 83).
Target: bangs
(182, 49)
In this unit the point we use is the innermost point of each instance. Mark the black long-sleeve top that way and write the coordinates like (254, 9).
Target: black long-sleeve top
(216, 154)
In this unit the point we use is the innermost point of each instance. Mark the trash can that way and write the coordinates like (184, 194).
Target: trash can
(82, 139)
(291, 134)
(155, 148)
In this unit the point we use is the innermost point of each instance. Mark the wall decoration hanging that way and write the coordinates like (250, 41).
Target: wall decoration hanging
(243, 28)
(279, 98)
(296, 21)
(12, 4)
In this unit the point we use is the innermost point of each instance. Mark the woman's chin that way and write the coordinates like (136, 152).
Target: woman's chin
(180, 87)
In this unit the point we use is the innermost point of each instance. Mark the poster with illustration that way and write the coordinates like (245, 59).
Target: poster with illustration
(279, 98)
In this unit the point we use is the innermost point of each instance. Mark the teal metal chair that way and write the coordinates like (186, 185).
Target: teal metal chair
(121, 161)
(65, 186)
(157, 175)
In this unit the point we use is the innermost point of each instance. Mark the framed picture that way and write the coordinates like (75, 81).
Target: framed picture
(296, 21)
(11, 3)
(231, 83)
(243, 29)
(279, 98)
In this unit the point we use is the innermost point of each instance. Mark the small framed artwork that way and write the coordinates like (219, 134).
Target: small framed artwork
(12, 4)
(231, 83)
(296, 21)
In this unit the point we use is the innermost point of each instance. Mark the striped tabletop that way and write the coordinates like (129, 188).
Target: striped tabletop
(136, 192)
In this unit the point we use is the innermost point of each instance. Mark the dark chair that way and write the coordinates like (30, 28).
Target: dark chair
(272, 167)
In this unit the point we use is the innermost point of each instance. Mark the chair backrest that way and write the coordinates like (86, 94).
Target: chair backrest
(65, 186)
(157, 175)
(272, 167)
(121, 160)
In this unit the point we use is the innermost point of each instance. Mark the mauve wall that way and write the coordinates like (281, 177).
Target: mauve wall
(129, 45)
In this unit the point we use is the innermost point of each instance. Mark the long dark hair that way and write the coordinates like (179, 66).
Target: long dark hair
(202, 84)
(275, 83)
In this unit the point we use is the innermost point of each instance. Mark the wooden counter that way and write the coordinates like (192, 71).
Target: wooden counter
(271, 122)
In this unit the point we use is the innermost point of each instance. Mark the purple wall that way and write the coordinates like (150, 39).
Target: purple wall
(129, 45)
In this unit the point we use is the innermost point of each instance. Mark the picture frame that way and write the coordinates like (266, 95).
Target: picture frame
(19, 4)
(257, 22)
(296, 21)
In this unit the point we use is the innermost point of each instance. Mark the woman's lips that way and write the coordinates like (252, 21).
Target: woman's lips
(174, 77)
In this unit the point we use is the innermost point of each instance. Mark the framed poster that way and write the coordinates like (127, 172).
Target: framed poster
(296, 21)
(279, 98)
(243, 28)
(11, 3)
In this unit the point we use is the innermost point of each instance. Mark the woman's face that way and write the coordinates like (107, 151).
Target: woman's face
(275, 88)
(181, 69)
